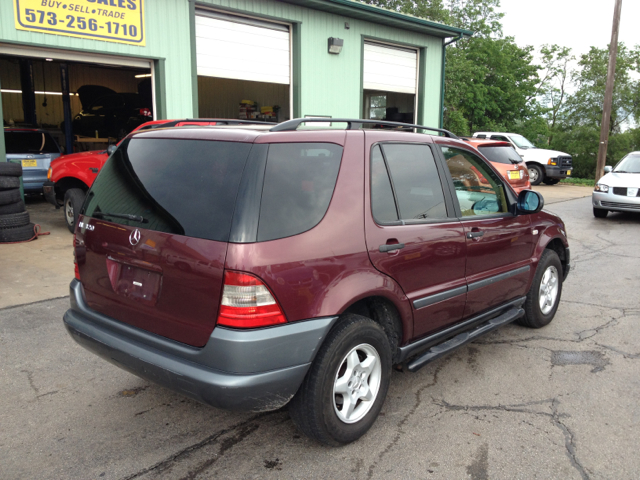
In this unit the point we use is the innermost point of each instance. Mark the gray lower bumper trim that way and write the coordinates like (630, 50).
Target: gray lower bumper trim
(238, 370)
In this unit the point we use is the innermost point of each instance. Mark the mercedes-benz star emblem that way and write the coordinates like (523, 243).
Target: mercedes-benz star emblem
(134, 238)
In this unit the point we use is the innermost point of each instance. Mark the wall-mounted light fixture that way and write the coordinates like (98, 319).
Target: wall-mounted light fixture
(335, 45)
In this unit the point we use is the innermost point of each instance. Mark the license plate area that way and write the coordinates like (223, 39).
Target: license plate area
(515, 174)
(29, 163)
(134, 282)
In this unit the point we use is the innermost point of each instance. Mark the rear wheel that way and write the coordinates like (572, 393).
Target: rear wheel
(535, 174)
(73, 200)
(544, 295)
(600, 212)
(346, 385)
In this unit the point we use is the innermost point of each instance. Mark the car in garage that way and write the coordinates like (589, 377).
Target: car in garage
(258, 266)
(619, 189)
(506, 160)
(36, 149)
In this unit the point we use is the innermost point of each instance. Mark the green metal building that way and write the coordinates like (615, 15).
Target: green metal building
(262, 59)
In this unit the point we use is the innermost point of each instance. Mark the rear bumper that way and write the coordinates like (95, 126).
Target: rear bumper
(254, 370)
(48, 188)
(33, 180)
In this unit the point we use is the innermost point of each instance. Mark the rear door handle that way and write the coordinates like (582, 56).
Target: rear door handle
(477, 234)
(389, 248)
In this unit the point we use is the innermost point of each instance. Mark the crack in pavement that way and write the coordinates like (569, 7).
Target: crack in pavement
(401, 423)
(244, 429)
(555, 416)
(628, 356)
(31, 382)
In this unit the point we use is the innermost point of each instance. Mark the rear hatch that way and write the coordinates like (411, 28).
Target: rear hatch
(155, 227)
(35, 149)
(505, 158)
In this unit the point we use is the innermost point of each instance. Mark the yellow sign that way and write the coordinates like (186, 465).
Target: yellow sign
(109, 20)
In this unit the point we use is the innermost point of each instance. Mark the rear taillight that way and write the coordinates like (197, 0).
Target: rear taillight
(145, 112)
(247, 303)
(75, 259)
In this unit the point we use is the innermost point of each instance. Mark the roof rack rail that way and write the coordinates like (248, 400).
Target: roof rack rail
(224, 121)
(352, 124)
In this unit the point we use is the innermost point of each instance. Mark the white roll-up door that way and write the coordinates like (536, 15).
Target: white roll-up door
(390, 69)
(242, 49)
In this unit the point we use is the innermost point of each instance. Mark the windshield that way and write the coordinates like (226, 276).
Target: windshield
(629, 164)
(30, 142)
(521, 142)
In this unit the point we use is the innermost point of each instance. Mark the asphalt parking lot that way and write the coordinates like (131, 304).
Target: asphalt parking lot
(560, 402)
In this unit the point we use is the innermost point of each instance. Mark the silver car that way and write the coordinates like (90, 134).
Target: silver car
(35, 148)
(619, 189)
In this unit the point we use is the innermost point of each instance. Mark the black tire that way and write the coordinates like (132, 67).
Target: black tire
(14, 220)
(8, 169)
(73, 200)
(9, 196)
(600, 212)
(550, 181)
(16, 234)
(534, 316)
(10, 208)
(314, 409)
(535, 174)
(8, 183)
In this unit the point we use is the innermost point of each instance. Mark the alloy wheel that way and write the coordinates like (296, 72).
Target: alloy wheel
(548, 292)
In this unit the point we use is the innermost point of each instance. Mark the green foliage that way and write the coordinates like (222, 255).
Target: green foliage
(586, 182)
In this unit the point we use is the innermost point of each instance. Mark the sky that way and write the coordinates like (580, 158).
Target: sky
(578, 24)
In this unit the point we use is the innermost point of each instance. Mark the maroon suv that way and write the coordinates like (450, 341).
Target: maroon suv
(250, 268)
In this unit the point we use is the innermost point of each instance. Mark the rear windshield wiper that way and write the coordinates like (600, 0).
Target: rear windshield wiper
(514, 161)
(126, 216)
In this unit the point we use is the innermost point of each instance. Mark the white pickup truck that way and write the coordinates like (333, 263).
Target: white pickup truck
(548, 166)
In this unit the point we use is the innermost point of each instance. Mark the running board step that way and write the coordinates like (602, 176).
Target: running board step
(444, 348)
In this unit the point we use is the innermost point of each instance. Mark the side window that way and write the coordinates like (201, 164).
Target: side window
(478, 189)
(415, 184)
(298, 185)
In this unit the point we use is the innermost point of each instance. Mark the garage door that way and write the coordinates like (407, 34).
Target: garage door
(390, 69)
(242, 48)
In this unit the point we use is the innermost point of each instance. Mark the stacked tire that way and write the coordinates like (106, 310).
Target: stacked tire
(14, 219)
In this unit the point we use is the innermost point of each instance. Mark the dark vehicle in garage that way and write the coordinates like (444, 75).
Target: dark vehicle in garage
(253, 267)
(106, 113)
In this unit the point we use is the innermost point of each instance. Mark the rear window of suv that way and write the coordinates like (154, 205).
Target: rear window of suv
(501, 154)
(184, 187)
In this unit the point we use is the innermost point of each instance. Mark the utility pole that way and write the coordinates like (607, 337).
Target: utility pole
(608, 93)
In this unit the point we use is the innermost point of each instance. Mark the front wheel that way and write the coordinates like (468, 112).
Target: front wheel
(346, 385)
(535, 174)
(600, 212)
(73, 200)
(544, 295)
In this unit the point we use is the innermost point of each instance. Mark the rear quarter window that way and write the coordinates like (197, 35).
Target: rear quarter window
(30, 142)
(298, 185)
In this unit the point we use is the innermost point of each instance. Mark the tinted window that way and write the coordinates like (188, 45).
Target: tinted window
(499, 137)
(383, 205)
(184, 187)
(503, 154)
(298, 185)
(478, 189)
(30, 142)
(415, 181)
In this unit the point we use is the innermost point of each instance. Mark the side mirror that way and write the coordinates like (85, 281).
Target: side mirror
(530, 202)
(111, 149)
(608, 168)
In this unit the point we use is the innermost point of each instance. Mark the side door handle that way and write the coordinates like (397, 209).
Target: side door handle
(390, 248)
(475, 234)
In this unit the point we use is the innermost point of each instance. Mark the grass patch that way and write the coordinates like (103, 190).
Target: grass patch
(586, 182)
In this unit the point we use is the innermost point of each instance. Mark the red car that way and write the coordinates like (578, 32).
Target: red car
(70, 176)
(506, 160)
(299, 265)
